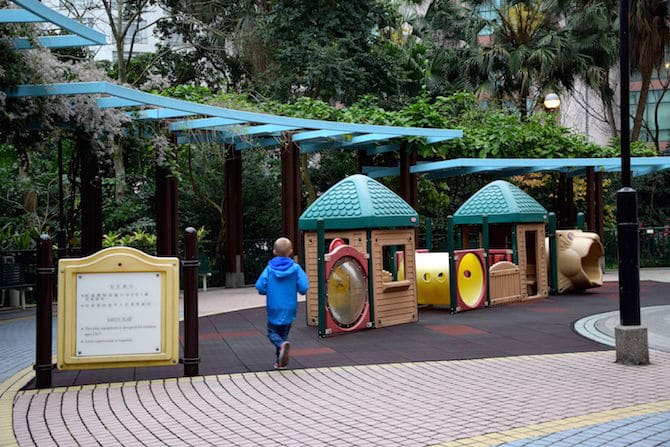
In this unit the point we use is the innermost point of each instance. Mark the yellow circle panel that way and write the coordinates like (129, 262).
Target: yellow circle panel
(470, 281)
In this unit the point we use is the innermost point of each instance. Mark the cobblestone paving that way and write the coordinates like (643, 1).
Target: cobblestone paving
(471, 402)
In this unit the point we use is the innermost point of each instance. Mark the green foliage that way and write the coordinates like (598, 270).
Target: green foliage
(260, 194)
(327, 50)
(137, 238)
(14, 239)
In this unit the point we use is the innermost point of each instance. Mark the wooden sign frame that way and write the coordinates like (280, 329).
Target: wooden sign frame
(107, 310)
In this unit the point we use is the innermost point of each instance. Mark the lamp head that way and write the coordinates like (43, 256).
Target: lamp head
(552, 101)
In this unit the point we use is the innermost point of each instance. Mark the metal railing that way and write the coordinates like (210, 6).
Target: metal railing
(654, 247)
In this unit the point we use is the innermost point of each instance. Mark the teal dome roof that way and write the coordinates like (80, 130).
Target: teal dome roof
(502, 202)
(356, 202)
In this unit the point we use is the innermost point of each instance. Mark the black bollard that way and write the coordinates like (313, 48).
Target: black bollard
(190, 266)
(44, 313)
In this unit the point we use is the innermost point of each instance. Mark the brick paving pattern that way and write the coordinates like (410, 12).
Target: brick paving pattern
(407, 404)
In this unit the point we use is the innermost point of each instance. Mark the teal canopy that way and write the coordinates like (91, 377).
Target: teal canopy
(502, 202)
(358, 202)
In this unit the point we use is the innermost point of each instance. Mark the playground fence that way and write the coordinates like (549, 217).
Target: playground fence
(654, 247)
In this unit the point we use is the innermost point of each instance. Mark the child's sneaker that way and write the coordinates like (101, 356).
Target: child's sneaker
(282, 361)
(276, 365)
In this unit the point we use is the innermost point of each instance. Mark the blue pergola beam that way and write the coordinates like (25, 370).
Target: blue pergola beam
(517, 166)
(431, 140)
(19, 16)
(158, 114)
(62, 41)
(375, 172)
(354, 143)
(204, 123)
(86, 35)
(112, 103)
(240, 142)
(271, 130)
(105, 88)
(317, 134)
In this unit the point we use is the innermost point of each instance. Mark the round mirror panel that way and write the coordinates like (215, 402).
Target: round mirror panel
(346, 291)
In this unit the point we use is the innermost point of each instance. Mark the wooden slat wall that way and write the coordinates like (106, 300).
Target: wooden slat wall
(541, 276)
(396, 306)
(356, 239)
(504, 283)
(542, 263)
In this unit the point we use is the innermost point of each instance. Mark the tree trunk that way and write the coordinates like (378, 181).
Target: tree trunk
(120, 187)
(29, 199)
(121, 61)
(645, 72)
(306, 179)
(609, 116)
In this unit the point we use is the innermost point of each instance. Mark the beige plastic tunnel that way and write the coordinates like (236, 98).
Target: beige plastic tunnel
(578, 260)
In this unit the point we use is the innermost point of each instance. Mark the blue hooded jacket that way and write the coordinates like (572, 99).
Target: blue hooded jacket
(281, 280)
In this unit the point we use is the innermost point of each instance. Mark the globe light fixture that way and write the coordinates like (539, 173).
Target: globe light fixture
(552, 101)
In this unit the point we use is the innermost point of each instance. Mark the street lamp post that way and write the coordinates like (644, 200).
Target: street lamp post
(630, 336)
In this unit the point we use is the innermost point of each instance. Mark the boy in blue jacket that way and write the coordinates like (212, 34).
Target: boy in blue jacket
(281, 281)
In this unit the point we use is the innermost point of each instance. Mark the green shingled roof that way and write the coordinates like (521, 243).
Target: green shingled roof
(356, 202)
(502, 202)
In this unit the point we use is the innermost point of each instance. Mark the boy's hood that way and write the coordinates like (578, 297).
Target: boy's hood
(282, 266)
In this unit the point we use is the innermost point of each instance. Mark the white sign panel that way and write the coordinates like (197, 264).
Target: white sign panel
(118, 313)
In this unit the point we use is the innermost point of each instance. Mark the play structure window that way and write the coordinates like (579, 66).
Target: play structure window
(347, 291)
(328, 243)
(393, 262)
(473, 240)
(393, 266)
(531, 262)
(499, 236)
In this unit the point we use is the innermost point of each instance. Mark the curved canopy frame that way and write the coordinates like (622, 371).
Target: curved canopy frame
(240, 128)
(32, 11)
(508, 167)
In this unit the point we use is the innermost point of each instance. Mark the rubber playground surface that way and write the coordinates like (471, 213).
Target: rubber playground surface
(235, 342)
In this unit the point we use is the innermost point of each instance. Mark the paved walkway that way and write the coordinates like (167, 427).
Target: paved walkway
(368, 388)
(476, 402)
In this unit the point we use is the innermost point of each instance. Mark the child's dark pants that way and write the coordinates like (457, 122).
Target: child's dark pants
(278, 334)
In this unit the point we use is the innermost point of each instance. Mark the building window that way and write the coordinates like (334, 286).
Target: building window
(141, 37)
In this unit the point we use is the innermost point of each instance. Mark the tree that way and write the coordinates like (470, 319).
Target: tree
(327, 50)
(595, 34)
(222, 37)
(523, 48)
(19, 115)
(649, 39)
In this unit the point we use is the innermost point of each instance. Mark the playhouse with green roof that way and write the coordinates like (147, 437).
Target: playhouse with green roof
(516, 240)
(363, 226)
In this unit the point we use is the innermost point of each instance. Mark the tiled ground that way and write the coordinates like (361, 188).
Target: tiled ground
(472, 402)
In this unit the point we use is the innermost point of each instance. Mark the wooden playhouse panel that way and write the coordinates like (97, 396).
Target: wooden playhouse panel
(541, 256)
(356, 239)
(504, 283)
(522, 259)
(541, 276)
(394, 302)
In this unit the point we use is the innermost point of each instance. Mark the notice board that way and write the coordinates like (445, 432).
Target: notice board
(118, 308)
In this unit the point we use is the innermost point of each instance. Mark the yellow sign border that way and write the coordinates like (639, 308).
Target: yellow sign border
(117, 260)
